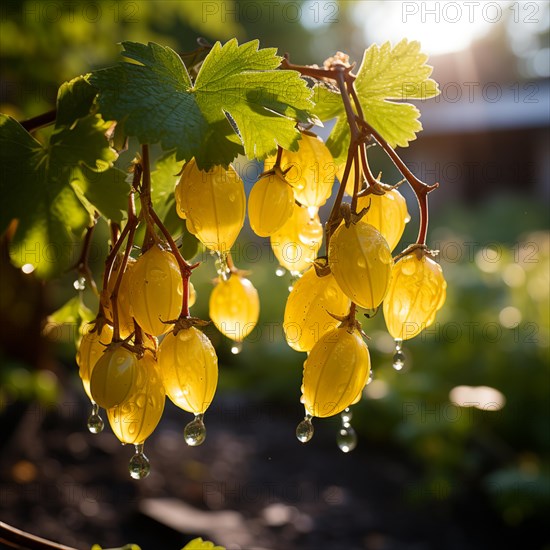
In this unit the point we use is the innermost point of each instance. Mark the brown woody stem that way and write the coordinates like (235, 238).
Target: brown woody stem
(185, 268)
(21, 540)
(360, 131)
(420, 188)
(145, 199)
(45, 119)
(132, 224)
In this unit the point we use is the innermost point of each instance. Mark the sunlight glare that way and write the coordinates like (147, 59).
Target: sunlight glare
(441, 27)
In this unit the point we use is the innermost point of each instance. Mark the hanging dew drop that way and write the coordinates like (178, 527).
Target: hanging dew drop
(398, 360)
(95, 422)
(139, 466)
(222, 267)
(280, 271)
(370, 378)
(80, 284)
(399, 356)
(236, 348)
(346, 416)
(346, 439)
(195, 431)
(305, 430)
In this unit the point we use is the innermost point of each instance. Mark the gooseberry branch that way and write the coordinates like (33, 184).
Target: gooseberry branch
(360, 132)
(145, 199)
(185, 268)
(132, 224)
(37, 122)
(147, 298)
(421, 189)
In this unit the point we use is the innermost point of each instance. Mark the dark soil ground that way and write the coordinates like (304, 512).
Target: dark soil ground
(251, 485)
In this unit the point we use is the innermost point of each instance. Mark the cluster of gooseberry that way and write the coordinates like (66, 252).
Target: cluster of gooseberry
(144, 345)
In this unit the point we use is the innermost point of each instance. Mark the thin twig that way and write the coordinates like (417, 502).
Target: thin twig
(21, 540)
(45, 119)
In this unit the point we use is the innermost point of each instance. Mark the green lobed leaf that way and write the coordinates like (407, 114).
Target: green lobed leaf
(73, 312)
(388, 74)
(239, 101)
(199, 544)
(387, 77)
(43, 185)
(105, 192)
(75, 98)
(328, 102)
(163, 182)
(125, 547)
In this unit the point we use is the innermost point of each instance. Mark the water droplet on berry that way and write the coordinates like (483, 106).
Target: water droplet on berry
(195, 431)
(222, 267)
(346, 439)
(346, 416)
(95, 422)
(370, 378)
(399, 356)
(236, 348)
(304, 430)
(398, 360)
(139, 466)
(80, 284)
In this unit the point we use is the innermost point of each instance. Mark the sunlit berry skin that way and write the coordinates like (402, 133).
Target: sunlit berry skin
(308, 307)
(113, 377)
(192, 295)
(297, 242)
(416, 293)
(361, 262)
(234, 307)
(135, 419)
(124, 304)
(351, 178)
(335, 372)
(387, 212)
(91, 348)
(189, 369)
(312, 170)
(214, 204)
(156, 290)
(270, 204)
